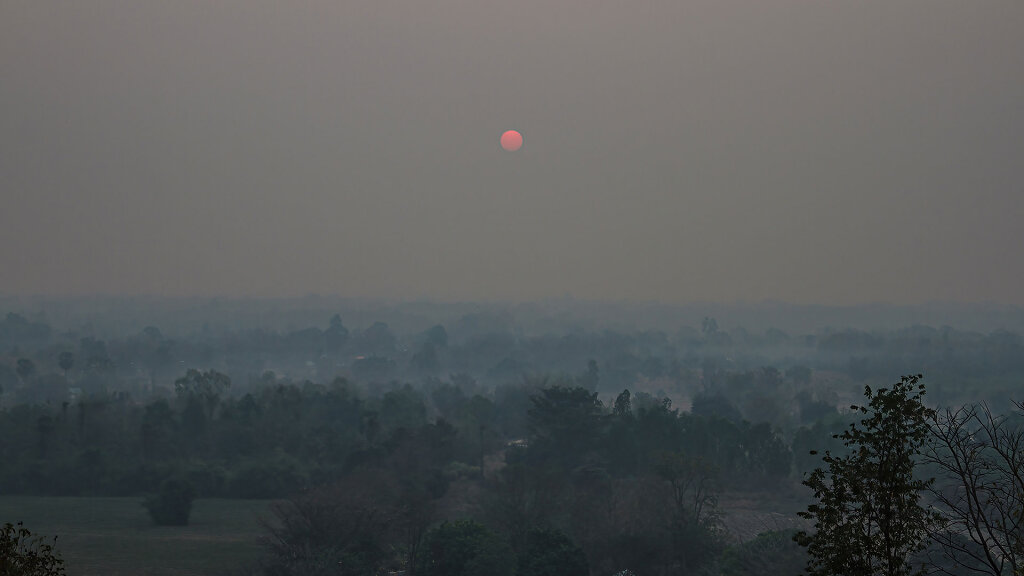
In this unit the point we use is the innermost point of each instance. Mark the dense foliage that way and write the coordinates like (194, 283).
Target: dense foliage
(280, 438)
(869, 518)
(173, 504)
(483, 449)
(771, 553)
(22, 554)
(465, 548)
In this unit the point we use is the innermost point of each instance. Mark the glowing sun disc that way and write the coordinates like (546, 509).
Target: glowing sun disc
(511, 140)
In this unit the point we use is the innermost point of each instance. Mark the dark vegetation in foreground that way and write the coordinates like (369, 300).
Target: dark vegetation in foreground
(483, 450)
(22, 553)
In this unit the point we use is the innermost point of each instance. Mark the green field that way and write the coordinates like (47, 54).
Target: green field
(114, 536)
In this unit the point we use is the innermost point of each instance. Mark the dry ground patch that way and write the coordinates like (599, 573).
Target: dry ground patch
(747, 514)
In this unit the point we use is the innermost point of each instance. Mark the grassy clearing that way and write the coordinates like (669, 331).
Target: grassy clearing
(115, 537)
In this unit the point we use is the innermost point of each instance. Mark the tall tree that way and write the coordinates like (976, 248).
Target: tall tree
(567, 424)
(336, 335)
(695, 535)
(344, 529)
(868, 519)
(66, 360)
(25, 369)
(205, 387)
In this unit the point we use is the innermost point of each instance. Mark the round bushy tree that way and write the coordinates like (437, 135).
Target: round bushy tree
(465, 548)
(173, 504)
(549, 552)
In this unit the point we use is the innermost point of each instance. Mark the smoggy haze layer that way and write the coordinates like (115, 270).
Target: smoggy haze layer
(677, 151)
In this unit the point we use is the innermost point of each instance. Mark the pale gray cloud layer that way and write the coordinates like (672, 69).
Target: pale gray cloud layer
(675, 150)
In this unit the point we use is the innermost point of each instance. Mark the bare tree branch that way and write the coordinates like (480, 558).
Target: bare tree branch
(980, 491)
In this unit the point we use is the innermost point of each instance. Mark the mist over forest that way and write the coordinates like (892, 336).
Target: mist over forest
(568, 434)
(320, 338)
(511, 288)
(111, 315)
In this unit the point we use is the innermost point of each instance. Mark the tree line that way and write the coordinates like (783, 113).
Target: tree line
(395, 463)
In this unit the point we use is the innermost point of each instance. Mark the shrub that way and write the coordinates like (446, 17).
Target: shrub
(21, 554)
(465, 548)
(172, 506)
(350, 528)
(551, 553)
(769, 554)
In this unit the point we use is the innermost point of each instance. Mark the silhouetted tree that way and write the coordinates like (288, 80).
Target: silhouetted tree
(550, 552)
(425, 360)
(868, 519)
(708, 326)
(344, 529)
(592, 377)
(715, 406)
(981, 489)
(66, 360)
(465, 548)
(378, 340)
(205, 387)
(25, 369)
(437, 336)
(336, 336)
(695, 516)
(159, 429)
(22, 554)
(173, 504)
(567, 423)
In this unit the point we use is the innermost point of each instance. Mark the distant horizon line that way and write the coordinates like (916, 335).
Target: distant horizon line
(567, 298)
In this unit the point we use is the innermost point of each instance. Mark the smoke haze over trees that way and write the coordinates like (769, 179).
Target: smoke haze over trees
(274, 258)
(600, 449)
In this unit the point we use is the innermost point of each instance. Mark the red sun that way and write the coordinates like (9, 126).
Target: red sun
(511, 140)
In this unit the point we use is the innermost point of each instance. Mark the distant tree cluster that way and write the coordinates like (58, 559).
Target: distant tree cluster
(759, 374)
(481, 450)
(285, 436)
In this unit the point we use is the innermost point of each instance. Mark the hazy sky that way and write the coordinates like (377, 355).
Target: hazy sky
(675, 150)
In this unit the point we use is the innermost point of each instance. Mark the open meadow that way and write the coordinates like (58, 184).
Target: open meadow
(114, 536)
